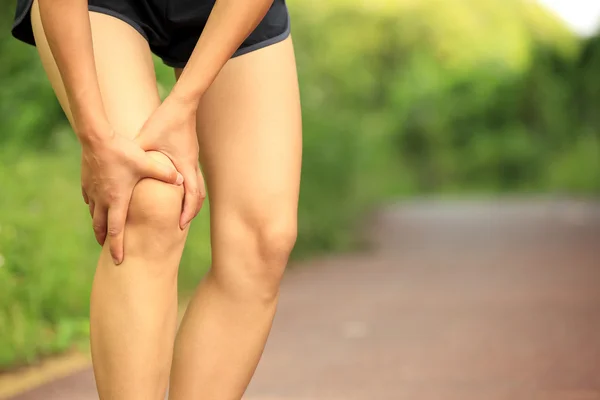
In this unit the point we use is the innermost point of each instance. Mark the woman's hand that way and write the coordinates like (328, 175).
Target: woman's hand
(110, 169)
(171, 130)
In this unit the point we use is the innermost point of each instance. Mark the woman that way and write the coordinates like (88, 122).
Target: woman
(236, 106)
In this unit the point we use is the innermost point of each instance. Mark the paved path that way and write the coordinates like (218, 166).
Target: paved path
(454, 302)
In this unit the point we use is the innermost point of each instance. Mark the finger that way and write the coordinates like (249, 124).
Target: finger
(92, 205)
(142, 138)
(194, 196)
(99, 223)
(117, 215)
(162, 172)
(85, 196)
(201, 189)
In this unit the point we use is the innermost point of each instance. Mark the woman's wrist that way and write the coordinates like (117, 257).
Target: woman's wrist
(94, 138)
(92, 130)
(90, 121)
(187, 94)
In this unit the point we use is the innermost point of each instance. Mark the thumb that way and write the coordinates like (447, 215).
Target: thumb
(162, 172)
(145, 136)
(141, 139)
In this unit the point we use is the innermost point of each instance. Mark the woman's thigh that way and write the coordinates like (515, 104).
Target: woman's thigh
(124, 67)
(250, 136)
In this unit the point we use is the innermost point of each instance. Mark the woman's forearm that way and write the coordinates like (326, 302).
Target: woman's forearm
(229, 24)
(67, 27)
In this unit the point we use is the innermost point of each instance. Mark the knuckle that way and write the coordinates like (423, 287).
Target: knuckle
(112, 196)
(98, 228)
(192, 192)
(114, 231)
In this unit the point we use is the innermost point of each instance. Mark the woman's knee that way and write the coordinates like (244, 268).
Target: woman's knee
(154, 213)
(251, 256)
(276, 239)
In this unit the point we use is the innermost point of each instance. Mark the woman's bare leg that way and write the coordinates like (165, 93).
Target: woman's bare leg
(133, 305)
(249, 129)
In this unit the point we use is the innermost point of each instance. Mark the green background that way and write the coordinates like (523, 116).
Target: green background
(400, 99)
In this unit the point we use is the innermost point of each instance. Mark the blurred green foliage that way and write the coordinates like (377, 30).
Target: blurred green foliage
(399, 98)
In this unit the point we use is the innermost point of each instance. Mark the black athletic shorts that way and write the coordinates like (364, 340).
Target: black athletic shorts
(171, 27)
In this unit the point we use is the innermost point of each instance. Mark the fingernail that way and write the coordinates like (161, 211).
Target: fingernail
(116, 261)
(179, 180)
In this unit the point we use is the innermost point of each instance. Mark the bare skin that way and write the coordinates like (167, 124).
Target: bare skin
(111, 165)
(133, 306)
(252, 166)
